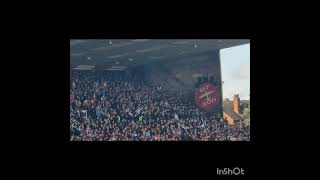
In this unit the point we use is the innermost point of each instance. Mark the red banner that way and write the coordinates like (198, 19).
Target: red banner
(207, 96)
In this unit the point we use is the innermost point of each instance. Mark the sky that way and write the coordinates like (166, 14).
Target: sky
(235, 67)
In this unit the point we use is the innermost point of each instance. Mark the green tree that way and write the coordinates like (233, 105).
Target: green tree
(246, 116)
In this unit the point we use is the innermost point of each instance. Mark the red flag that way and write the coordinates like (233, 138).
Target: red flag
(207, 96)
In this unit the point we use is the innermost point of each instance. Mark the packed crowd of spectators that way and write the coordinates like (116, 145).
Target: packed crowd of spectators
(122, 106)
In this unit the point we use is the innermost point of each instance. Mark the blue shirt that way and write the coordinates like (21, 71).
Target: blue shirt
(148, 133)
(98, 113)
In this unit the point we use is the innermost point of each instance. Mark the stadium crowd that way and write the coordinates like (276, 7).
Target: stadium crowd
(122, 106)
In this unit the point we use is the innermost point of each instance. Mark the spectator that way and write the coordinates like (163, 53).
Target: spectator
(121, 107)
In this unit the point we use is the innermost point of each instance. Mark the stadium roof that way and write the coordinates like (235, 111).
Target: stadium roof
(134, 52)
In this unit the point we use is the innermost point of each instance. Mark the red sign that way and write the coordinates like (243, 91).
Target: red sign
(207, 96)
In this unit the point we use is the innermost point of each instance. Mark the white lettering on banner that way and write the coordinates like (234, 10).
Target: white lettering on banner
(204, 88)
(206, 96)
(208, 101)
